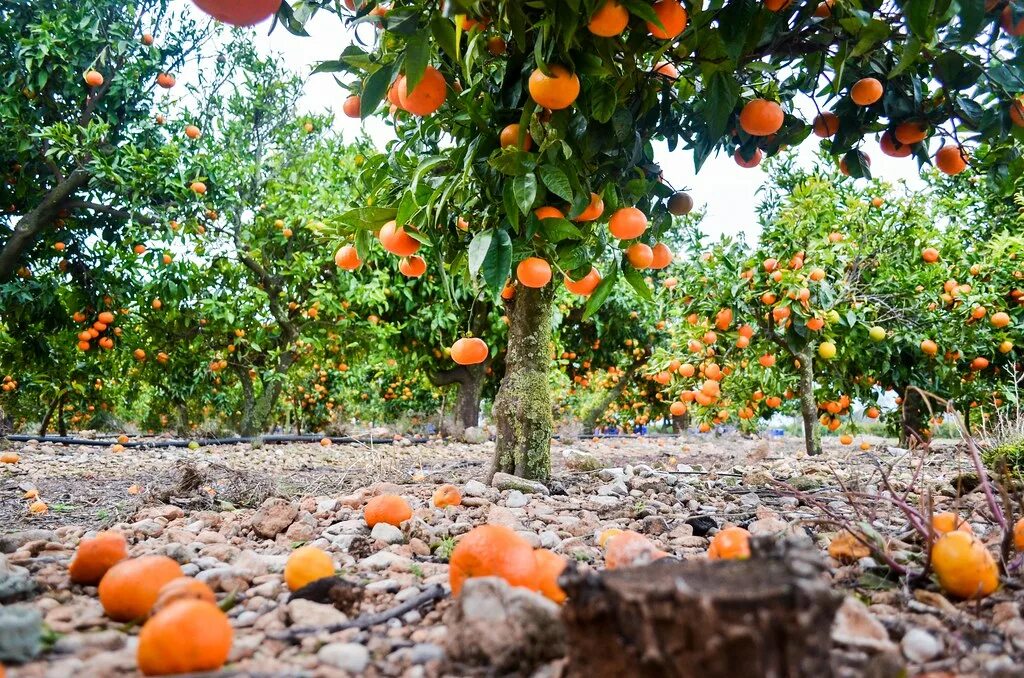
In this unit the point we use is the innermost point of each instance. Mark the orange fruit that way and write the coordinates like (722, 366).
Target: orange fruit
(754, 160)
(556, 91)
(305, 565)
(761, 117)
(866, 91)
(93, 78)
(549, 566)
(493, 551)
(677, 409)
(387, 508)
(609, 20)
(192, 132)
(930, 255)
(347, 258)
(630, 549)
(239, 13)
(667, 69)
(951, 159)
(911, 132)
(1015, 29)
(469, 351)
(892, 147)
(732, 543)
(165, 80)
(826, 124)
(351, 107)
(412, 267)
(1018, 534)
(533, 272)
(198, 187)
(948, 522)
(999, 320)
(776, 5)
(585, 285)
(680, 204)
(865, 161)
(396, 240)
(847, 548)
(548, 213)
(446, 495)
(640, 255)
(963, 565)
(662, 256)
(627, 223)
(929, 347)
(846, 439)
(510, 137)
(183, 588)
(427, 96)
(94, 556)
(188, 636)
(672, 16)
(1017, 111)
(594, 210)
(128, 589)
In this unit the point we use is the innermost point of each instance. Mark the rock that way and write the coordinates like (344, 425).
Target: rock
(250, 565)
(423, 653)
(21, 632)
(387, 533)
(300, 532)
(654, 525)
(148, 527)
(549, 539)
(356, 526)
(273, 517)
(702, 525)
(610, 474)
(500, 515)
(474, 435)
(750, 499)
(9, 543)
(604, 501)
(503, 627)
(616, 488)
(167, 512)
(769, 526)
(350, 657)
(75, 643)
(681, 531)
(855, 626)
(304, 612)
(919, 646)
(649, 484)
(382, 560)
(505, 481)
(516, 499)
(15, 582)
(577, 460)
(474, 488)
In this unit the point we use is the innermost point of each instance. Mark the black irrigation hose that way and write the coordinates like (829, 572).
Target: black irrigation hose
(239, 440)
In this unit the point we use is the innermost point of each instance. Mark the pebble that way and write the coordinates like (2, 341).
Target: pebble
(516, 499)
(474, 488)
(919, 646)
(387, 533)
(351, 657)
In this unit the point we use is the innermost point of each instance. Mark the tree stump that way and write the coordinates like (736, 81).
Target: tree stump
(769, 616)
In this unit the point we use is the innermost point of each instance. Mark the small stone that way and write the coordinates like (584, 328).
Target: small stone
(382, 560)
(750, 499)
(702, 525)
(10, 543)
(516, 499)
(351, 657)
(604, 501)
(423, 653)
(577, 460)
(300, 531)
(474, 488)
(273, 517)
(855, 626)
(21, 632)
(610, 474)
(387, 533)
(304, 612)
(615, 488)
(474, 435)
(768, 526)
(506, 481)
(387, 585)
(919, 646)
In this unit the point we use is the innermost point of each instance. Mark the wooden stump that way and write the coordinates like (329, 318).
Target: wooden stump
(767, 617)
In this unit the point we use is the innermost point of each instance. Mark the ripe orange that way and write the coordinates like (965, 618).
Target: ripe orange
(533, 272)
(510, 137)
(767, 360)
(128, 589)
(640, 255)
(183, 588)
(662, 256)
(351, 107)
(96, 555)
(930, 255)
(963, 565)
(892, 147)
(677, 409)
(978, 364)
(347, 258)
(627, 223)
(396, 240)
(387, 508)
(188, 636)
(305, 565)
(866, 91)
(585, 285)
(865, 161)
(412, 267)
(732, 543)
(826, 124)
(93, 78)
(548, 213)
(1017, 111)
(848, 548)
(192, 132)
(929, 347)
(239, 13)
(594, 210)
(557, 91)
(846, 439)
(680, 204)
(493, 551)
(948, 522)
(198, 187)
(761, 117)
(1015, 29)
(446, 495)
(754, 160)
(549, 566)
(609, 20)
(165, 80)
(667, 69)
(428, 95)
(1000, 320)
(911, 132)
(1018, 535)
(630, 549)
(672, 16)
(951, 159)
(469, 351)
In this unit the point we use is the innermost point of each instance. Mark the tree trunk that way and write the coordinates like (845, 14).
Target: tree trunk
(256, 419)
(770, 615)
(808, 404)
(182, 426)
(522, 407)
(45, 425)
(62, 427)
(911, 416)
(591, 417)
(470, 379)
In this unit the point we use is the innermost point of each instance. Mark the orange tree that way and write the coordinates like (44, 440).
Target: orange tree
(585, 82)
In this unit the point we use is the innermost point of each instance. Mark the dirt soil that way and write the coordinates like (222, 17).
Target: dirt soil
(200, 508)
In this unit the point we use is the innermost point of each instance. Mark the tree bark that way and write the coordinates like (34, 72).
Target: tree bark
(808, 404)
(911, 416)
(62, 427)
(45, 425)
(256, 419)
(770, 615)
(522, 407)
(591, 417)
(182, 425)
(470, 379)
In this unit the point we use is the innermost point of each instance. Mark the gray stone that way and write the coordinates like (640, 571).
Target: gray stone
(610, 474)
(21, 632)
(387, 533)
(505, 481)
(422, 653)
(382, 560)
(474, 435)
(273, 517)
(855, 626)
(356, 526)
(615, 488)
(74, 643)
(549, 539)
(919, 646)
(577, 460)
(516, 499)
(406, 593)
(9, 543)
(474, 488)
(388, 585)
(750, 499)
(351, 657)
(508, 629)
(15, 582)
(304, 612)
(601, 500)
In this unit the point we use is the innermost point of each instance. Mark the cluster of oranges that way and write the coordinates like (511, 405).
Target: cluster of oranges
(9, 384)
(97, 331)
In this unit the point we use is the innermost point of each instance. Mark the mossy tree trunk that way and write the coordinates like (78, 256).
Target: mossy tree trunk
(522, 407)
(808, 404)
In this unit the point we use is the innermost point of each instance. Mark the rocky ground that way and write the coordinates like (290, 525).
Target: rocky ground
(231, 515)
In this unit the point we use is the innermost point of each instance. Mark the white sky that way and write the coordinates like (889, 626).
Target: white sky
(725, 190)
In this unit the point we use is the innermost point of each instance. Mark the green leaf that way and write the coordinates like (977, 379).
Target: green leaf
(425, 166)
(478, 249)
(908, 56)
(443, 31)
(603, 100)
(723, 91)
(417, 56)
(513, 162)
(636, 280)
(498, 263)
(557, 230)
(600, 295)
(363, 244)
(368, 218)
(921, 19)
(524, 189)
(375, 88)
(643, 10)
(556, 181)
